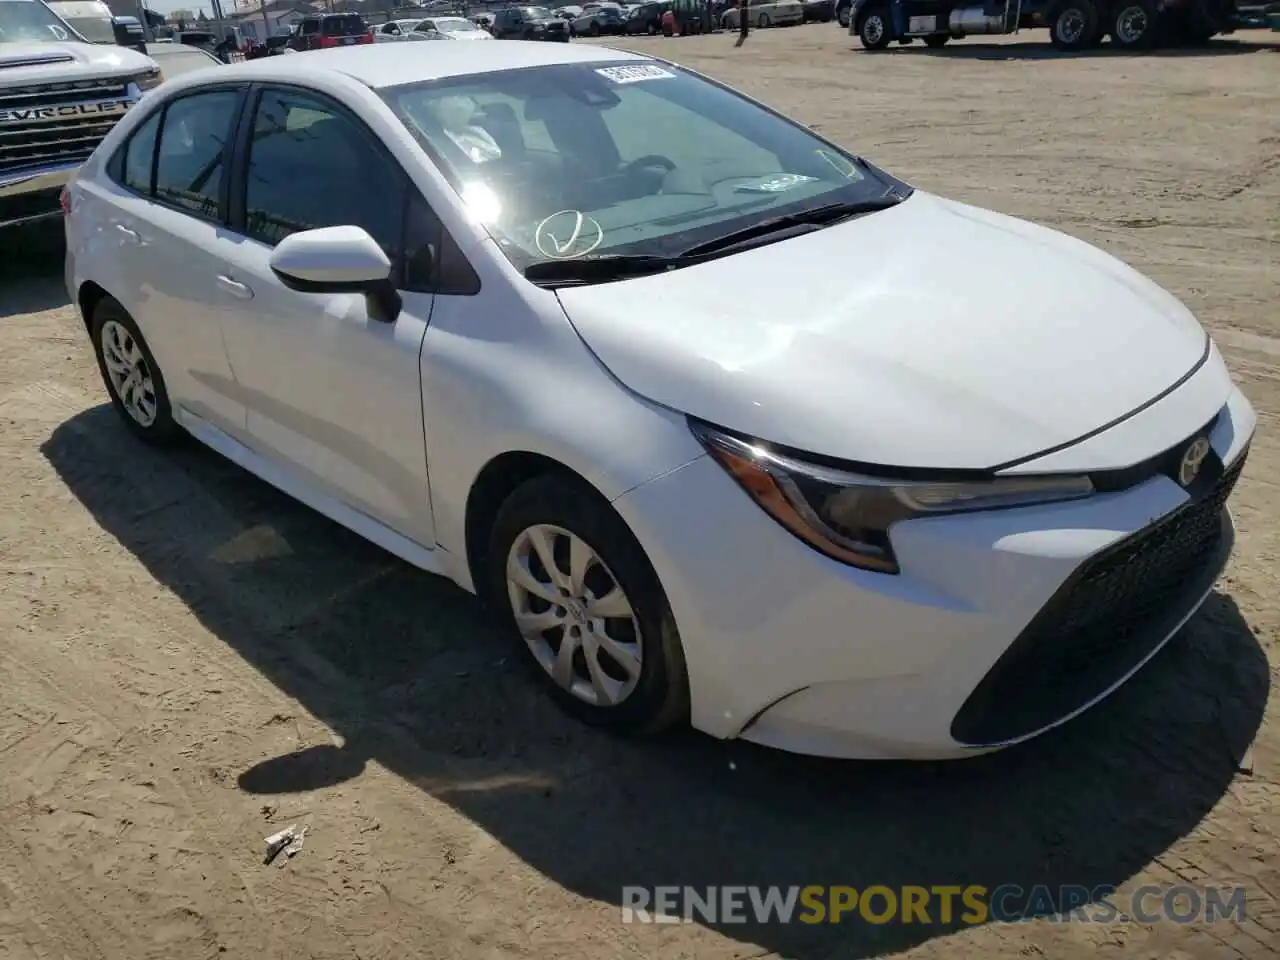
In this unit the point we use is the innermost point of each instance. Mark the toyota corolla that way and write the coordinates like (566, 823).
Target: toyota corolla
(730, 425)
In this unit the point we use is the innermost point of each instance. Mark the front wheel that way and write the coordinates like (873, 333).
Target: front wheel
(1073, 26)
(1135, 25)
(842, 15)
(874, 30)
(132, 376)
(763, 21)
(588, 607)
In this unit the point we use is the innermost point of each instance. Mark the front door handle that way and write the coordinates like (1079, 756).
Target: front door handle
(234, 287)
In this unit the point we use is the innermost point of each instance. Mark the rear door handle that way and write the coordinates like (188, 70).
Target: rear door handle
(234, 287)
(129, 236)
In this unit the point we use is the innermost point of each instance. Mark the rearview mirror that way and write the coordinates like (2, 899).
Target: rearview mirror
(338, 260)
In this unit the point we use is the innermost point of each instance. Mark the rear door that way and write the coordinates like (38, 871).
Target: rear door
(165, 221)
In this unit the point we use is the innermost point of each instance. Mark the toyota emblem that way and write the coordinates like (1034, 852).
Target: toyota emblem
(1189, 468)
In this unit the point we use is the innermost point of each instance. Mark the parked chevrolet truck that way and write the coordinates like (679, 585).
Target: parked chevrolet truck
(59, 96)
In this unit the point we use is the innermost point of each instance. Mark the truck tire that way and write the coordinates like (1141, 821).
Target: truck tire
(937, 41)
(1135, 24)
(1073, 25)
(843, 13)
(874, 27)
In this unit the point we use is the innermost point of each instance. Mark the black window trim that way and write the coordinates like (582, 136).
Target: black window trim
(115, 166)
(466, 281)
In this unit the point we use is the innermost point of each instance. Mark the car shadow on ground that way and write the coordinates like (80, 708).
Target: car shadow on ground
(969, 49)
(409, 671)
(31, 270)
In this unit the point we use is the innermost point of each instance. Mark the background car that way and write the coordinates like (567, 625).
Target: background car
(528, 23)
(600, 18)
(819, 11)
(175, 59)
(647, 17)
(330, 30)
(449, 28)
(766, 13)
(394, 30)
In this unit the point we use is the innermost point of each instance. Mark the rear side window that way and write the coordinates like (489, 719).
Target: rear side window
(139, 153)
(347, 26)
(191, 157)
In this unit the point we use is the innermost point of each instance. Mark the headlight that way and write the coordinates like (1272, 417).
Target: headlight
(149, 80)
(848, 515)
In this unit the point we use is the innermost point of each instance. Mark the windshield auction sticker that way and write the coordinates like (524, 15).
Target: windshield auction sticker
(567, 234)
(635, 74)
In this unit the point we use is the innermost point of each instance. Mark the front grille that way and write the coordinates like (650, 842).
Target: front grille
(1117, 607)
(54, 123)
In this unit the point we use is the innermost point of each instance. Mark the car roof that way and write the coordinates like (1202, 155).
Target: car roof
(391, 64)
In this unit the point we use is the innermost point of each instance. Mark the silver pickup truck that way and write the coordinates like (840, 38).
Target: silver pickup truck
(59, 96)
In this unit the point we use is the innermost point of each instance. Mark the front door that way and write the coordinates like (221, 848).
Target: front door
(331, 393)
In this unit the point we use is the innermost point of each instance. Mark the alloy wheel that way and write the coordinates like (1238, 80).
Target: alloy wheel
(574, 615)
(129, 373)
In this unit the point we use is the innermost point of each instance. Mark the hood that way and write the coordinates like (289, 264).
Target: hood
(38, 62)
(932, 334)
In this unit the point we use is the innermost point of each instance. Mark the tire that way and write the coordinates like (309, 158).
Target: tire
(654, 695)
(763, 21)
(594, 29)
(937, 41)
(123, 354)
(1073, 25)
(842, 15)
(1135, 25)
(874, 29)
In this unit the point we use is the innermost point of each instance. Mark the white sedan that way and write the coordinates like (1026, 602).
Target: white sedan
(729, 424)
(450, 28)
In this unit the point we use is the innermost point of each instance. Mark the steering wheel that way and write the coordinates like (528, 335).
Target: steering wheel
(650, 161)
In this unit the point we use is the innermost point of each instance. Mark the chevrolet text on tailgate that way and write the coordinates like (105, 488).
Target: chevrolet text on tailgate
(59, 96)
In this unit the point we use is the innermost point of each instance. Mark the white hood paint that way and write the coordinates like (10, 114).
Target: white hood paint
(87, 60)
(932, 334)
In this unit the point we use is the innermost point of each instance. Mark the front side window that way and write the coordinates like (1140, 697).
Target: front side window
(310, 165)
(191, 155)
(637, 157)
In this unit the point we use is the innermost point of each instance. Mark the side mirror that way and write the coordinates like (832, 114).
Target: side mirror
(338, 260)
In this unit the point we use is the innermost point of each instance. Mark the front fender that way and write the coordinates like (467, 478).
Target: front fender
(505, 372)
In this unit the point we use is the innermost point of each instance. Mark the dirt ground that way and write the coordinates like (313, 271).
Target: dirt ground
(189, 661)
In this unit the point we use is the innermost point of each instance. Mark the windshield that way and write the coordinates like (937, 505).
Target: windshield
(28, 20)
(536, 13)
(456, 26)
(565, 161)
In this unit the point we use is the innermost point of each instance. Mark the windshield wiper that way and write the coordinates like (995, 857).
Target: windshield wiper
(558, 273)
(815, 218)
(601, 269)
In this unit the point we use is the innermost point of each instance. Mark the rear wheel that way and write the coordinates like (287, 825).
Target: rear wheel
(132, 376)
(1073, 25)
(874, 30)
(763, 21)
(937, 41)
(1134, 25)
(588, 607)
(842, 15)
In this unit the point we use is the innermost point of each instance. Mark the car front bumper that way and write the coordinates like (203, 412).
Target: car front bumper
(987, 637)
(29, 196)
